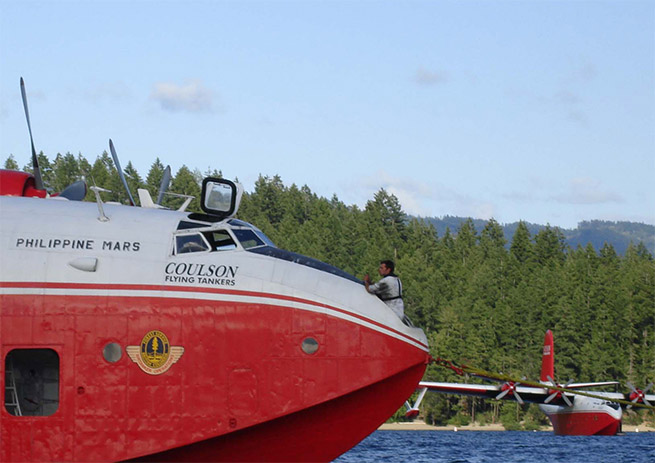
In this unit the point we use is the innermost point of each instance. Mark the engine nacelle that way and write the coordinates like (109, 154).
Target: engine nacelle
(15, 183)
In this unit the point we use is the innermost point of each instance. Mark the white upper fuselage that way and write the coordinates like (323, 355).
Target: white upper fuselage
(583, 404)
(49, 240)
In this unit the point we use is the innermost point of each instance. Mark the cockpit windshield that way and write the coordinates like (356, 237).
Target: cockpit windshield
(220, 240)
(249, 236)
(223, 239)
(190, 243)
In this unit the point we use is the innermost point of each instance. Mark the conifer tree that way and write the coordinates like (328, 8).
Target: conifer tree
(10, 163)
(133, 179)
(185, 183)
(154, 177)
(65, 171)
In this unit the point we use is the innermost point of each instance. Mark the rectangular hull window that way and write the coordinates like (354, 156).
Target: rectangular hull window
(32, 382)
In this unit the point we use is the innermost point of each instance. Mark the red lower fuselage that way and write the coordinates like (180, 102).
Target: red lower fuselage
(587, 417)
(585, 424)
(243, 388)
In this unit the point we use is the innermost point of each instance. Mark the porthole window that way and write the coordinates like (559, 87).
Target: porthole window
(309, 345)
(32, 382)
(112, 352)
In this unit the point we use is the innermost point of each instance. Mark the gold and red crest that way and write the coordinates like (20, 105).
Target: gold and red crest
(155, 355)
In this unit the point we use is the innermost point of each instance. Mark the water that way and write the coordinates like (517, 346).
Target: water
(506, 447)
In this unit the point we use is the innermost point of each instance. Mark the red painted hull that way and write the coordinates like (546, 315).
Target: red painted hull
(319, 433)
(584, 424)
(243, 389)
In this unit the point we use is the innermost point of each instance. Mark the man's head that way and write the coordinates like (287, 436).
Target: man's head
(386, 268)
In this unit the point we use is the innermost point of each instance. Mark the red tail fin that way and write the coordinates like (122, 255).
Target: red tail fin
(548, 358)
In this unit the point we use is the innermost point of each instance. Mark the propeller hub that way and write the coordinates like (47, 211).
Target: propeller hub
(509, 387)
(637, 395)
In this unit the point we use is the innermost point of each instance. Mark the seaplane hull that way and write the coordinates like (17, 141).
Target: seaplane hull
(243, 390)
(584, 423)
(140, 350)
(586, 417)
(319, 433)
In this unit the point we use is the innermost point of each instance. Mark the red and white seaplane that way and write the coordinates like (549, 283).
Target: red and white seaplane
(569, 412)
(141, 333)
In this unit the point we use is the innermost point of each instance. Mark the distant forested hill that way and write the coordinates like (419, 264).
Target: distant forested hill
(596, 232)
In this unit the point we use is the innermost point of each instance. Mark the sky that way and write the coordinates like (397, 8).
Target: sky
(542, 111)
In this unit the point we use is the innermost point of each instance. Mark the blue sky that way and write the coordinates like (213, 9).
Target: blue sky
(541, 111)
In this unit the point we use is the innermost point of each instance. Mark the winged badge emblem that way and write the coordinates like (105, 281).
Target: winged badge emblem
(155, 355)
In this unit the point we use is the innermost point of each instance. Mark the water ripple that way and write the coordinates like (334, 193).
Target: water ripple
(508, 447)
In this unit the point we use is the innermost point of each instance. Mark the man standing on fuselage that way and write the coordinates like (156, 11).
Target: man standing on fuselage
(389, 289)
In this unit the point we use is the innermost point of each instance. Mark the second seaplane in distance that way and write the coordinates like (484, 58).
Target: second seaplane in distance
(571, 408)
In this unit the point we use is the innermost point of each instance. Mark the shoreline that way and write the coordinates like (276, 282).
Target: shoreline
(496, 427)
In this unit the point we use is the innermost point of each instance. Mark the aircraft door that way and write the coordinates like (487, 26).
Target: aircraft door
(32, 421)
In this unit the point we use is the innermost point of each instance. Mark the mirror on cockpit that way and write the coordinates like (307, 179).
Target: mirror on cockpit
(220, 197)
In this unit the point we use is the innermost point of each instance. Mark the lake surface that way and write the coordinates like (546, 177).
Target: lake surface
(506, 447)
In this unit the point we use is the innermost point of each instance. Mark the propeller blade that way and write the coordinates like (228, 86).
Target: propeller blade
(558, 393)
(631, 386)
(75, 192)
(510, 388)
(120, 171)
(38, 182)
(567, 400)
(550, 397)
(163, 186)
(648, 388)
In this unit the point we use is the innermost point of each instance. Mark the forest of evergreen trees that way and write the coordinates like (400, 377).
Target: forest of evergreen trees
(596, 232)
(480, 302)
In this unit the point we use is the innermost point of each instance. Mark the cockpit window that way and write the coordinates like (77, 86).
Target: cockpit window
(260, 234)
(248, 238)
(613, 405)
(265, 238)
(220, 240)
(190, 243)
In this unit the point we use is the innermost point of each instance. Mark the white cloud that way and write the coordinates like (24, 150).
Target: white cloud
(585, 190)
(411, 194)
(191, 97)
(422, 199)
(425, 77)
(567, 97)
(117, 91)
(585, 73)
(483, 210)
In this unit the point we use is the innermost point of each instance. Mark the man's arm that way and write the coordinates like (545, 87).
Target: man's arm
(377, 288)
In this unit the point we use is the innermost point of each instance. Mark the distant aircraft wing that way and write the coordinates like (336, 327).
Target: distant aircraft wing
(538, 395)
(585, 385)
(477, 390)
(504, 391)
(648, 399)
